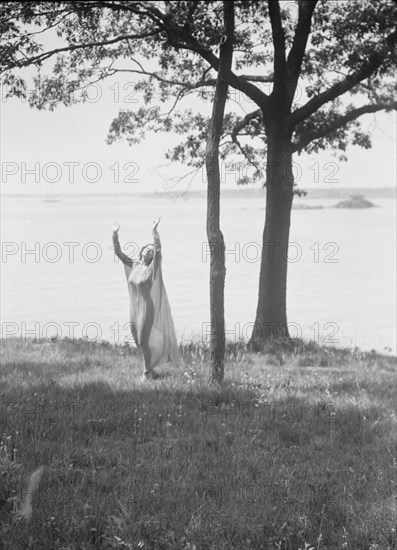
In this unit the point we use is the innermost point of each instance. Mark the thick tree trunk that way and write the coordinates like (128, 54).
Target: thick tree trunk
(214, 233)
(271, 314)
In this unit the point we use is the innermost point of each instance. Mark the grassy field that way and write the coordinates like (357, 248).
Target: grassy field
(297, 450)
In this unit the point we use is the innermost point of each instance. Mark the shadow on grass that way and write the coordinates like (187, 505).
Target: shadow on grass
(176, 464)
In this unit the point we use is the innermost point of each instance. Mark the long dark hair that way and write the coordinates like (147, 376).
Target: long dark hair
(143, 248)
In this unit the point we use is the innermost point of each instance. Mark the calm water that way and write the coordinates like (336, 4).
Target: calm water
(342, 273)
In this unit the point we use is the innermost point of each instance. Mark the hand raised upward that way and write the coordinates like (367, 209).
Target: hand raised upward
(155, 224)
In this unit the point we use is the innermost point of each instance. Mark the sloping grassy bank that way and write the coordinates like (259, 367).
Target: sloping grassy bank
(297, 450)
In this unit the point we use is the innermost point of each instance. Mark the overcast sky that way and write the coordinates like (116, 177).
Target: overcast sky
(66, 151)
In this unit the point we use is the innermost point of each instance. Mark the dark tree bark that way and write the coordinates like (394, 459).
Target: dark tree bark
(271, 314)
(214, 233)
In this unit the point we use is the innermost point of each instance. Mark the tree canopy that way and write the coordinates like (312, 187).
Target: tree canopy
(319, 64)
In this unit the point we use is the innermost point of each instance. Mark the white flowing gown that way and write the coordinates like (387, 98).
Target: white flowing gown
(151, 321)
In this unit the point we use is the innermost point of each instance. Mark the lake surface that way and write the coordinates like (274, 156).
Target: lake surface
(59, 274)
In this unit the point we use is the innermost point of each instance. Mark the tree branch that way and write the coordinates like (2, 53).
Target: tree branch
(366, 70)
(249, 158)
(257, 78)
(52, 25)
(210, 82)
(179, 38)
(340, 122)
(244, 121)
(171, 183)
(280, 64)
(297, 52)
(181, 83)
(46, 55)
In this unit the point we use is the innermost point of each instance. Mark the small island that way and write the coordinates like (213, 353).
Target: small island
(355, 201)
(300, 206)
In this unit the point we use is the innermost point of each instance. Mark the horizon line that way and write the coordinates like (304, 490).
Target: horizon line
(197, 191)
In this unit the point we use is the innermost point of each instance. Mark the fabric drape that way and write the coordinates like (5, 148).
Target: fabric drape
(151, 322)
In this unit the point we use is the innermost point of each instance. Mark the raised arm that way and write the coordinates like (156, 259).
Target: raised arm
(157, 246)
(117, 249)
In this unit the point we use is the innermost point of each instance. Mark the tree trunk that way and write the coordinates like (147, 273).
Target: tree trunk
(214, 234)
(271, 314)
(217, 277)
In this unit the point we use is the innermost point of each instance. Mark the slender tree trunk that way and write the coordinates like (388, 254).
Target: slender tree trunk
(214, 233)
(271, 314)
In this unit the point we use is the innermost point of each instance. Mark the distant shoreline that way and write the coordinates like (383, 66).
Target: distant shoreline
(312, 193)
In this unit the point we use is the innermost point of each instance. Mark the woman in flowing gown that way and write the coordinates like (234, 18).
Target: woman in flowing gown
(151, 321)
